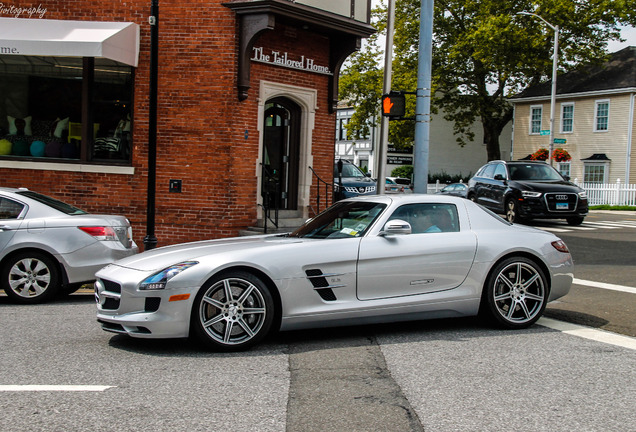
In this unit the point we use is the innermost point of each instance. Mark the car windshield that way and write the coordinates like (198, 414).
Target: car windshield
(53, 203)
(343, 219)
(533, 172)
(349, 170)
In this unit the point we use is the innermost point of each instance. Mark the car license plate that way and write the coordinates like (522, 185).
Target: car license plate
(561, 206)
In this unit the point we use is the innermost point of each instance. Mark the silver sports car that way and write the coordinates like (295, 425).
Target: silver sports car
(367, 259)
(48, 246)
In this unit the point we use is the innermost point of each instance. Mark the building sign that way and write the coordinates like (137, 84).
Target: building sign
(399, 160)
(393, 149)
(17, 12)
(283, 59)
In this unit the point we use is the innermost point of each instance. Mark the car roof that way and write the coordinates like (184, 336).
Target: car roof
(519, 162)
(409, 198)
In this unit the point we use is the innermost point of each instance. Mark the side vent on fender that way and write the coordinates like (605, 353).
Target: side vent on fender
(320, 284)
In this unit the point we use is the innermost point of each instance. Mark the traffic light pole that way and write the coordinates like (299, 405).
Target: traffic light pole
(384, 121)
(423, 101)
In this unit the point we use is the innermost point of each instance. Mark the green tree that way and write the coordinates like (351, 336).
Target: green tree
(483, 53)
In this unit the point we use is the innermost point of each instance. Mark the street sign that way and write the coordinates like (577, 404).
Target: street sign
(545, 132)
(560, 140)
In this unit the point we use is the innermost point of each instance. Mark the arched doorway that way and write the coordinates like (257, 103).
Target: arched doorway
(280, 158)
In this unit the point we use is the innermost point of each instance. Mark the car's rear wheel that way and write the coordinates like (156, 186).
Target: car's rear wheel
(574, 221)
(512, 211)
(232, 312)
(30, 277)
(515, 294)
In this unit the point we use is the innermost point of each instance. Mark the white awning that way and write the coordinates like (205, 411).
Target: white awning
(117, 41)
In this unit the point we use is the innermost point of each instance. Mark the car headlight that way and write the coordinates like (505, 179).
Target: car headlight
(159, 280)
(530, 194)
(582, 194)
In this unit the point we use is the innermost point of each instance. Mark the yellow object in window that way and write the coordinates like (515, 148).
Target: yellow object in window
(75, 131)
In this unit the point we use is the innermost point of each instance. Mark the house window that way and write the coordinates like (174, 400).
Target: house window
(601, 116)
(342, 129)
(567, 117)
(47, 99)
(595, 173)
(564, 168)
(535, 119)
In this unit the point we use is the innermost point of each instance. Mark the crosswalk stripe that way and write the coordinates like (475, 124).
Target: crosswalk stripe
(552, 229)
(591, 226)
(602, 224)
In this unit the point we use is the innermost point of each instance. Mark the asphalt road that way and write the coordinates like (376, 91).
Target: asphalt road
(439, 375)
(604, 253)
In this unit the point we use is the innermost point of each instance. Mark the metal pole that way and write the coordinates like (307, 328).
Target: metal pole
(423, 101)
(384, 121)
(555, 59)
(150, 241)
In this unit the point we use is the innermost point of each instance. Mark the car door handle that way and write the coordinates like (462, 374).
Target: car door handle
(5, 228)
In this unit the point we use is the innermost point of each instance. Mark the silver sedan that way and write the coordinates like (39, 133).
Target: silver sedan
(49, 247)
(366, 259)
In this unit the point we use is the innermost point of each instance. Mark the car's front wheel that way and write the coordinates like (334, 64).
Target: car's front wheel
(515, 294)
(30, 277)
(232, 312)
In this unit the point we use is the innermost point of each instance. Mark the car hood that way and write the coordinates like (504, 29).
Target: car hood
(548, 186)
(163, 257)
(355, 181)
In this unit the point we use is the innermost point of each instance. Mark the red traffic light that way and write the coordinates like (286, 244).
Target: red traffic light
(393, 105)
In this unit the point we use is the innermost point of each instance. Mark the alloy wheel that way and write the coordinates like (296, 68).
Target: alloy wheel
(233, 311)
(519, 293)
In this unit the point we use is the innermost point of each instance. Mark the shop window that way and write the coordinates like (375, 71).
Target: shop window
(535, 119)
(45, 101)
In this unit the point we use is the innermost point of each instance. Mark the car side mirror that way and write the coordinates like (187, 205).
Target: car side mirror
(396, 227)
(500, 177)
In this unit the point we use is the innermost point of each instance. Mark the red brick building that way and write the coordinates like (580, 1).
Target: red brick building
(246, 94)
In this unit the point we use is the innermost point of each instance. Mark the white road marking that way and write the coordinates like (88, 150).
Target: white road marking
(604, 285)
(553, 229)
(608, 225)
(589, 333)
(43, 388)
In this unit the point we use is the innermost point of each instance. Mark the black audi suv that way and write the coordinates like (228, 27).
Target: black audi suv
(524, 190)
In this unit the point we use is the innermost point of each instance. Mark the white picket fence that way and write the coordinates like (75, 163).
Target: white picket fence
(611, 194)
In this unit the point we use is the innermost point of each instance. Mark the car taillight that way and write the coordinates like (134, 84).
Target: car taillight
(560, 246)
(100, 232)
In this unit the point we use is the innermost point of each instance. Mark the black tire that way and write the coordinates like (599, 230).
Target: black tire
(70, 288)
(512, 211)
(472, 197)
(232, 312)
(515, 294)
(575, 221)
(30, 277)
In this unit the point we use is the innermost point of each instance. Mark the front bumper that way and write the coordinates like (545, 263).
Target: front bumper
(123, 309)
(536, 208)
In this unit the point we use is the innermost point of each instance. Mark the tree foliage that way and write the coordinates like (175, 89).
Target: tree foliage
(483, 53)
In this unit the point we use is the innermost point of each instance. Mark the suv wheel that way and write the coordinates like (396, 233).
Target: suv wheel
(512, 211)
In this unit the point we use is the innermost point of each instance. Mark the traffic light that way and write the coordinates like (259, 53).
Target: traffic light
(393, 105)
